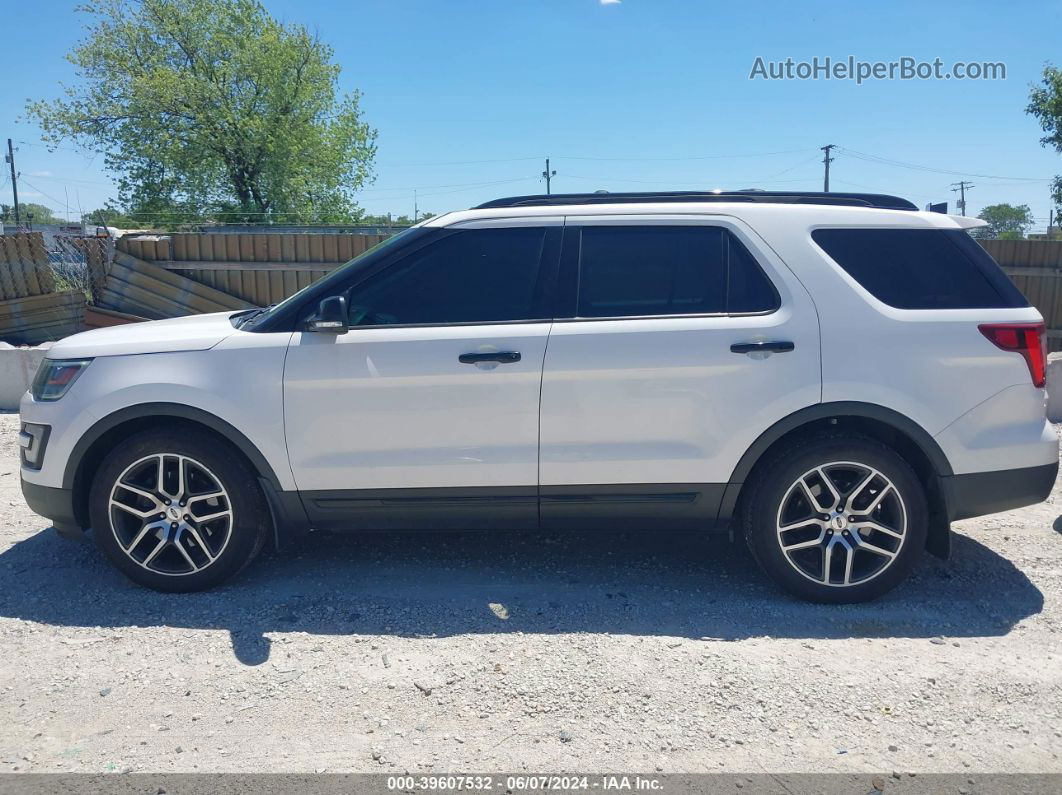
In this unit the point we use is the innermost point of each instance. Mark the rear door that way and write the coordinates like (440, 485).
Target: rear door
(679, 340)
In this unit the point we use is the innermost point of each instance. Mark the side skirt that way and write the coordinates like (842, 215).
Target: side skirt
(473, 508)
(632, 506)
(639, 506)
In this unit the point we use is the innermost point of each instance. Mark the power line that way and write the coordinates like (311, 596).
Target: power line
(674, 159)
(900, 164)
(460, 162)
(45, 195)
(451, 185)
(65, 180)
(50, 148)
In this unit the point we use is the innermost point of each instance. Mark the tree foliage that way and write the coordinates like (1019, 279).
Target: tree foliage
(30, 213)
(111, 216)
(213, 109)
(1005, 221)
(1045, 103)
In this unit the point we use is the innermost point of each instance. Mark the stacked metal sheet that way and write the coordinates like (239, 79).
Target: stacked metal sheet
(31, 311)
(138, 287)
(40, 318)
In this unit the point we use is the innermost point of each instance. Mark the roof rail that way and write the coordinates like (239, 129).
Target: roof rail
(879, 200)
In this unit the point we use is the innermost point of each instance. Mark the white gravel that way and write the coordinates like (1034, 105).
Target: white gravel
(546, 652)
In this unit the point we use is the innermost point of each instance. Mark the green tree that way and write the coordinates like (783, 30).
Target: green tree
(211, 109)
(111, 216)
(1045, 103)
(1005, 221)
(28, 212)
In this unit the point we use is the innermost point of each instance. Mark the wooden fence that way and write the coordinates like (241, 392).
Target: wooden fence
(261, 269)
(1035, 267)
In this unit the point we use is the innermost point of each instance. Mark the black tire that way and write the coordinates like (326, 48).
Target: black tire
(763, 513)
(231, 542)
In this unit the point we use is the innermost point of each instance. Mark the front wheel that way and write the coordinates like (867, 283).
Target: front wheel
(177, 510)
(840, 519)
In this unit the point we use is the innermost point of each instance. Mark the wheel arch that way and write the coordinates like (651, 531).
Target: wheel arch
(100, 439)
(909, 439)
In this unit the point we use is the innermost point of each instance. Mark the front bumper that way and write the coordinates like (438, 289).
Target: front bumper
(54, 504)
(981, 493)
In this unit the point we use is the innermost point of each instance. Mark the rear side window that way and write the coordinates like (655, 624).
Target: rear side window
(632, 271)
(748, 288)
(921, 268)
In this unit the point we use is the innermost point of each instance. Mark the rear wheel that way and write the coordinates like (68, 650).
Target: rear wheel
(177, 511)
(840, 519)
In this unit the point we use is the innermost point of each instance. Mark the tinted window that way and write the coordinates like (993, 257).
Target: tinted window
(627, 271)
(472, 276)
(651, 270)
(748, 289)
(920, 268)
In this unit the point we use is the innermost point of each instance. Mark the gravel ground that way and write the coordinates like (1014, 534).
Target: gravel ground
(546, 652)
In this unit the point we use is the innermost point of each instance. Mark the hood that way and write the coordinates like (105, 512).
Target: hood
(190, 333)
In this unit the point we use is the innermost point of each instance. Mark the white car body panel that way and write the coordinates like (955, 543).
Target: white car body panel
(189, 333)
(239, 381)
(1006, 431)
(664, 399)
(394, 408)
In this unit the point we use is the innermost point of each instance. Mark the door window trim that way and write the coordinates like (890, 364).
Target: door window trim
(548, 266)
(568, 277)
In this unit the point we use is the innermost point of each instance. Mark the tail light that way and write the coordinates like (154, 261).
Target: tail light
(1028, 339)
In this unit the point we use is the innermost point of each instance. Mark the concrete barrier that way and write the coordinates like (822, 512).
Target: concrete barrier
(17, 367)
(1054, 387)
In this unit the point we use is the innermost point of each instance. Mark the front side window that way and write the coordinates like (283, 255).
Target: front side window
(632, 271)
(469, 276)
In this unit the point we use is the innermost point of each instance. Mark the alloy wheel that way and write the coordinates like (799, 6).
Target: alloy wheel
(170, 514)
(841, 524)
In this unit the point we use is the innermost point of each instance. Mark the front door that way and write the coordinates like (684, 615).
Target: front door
(425, 414)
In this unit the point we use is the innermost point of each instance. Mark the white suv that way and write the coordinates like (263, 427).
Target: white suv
(838, 376)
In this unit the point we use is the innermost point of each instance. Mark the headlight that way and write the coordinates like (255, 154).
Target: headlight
(55, 376)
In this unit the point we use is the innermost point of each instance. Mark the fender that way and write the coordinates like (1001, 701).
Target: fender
(821, 411)
(176, 410)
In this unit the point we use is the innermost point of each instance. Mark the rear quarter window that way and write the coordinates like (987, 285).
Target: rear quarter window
(921, 268)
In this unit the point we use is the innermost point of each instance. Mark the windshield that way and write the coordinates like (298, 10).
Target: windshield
(250, 319)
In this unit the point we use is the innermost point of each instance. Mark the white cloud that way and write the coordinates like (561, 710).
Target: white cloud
(40, 173)
(610, 2)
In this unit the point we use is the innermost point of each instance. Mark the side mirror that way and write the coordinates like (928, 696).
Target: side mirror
(331, 317)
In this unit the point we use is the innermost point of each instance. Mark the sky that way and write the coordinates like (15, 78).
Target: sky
(470, 96)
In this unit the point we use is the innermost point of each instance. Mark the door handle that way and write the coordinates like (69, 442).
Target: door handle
(777, 346)
(502, 357)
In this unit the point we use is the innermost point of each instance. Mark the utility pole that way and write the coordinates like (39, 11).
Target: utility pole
(826, 160)
(548, 175)
(414, 205)
(963, 186)
(14, 177)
